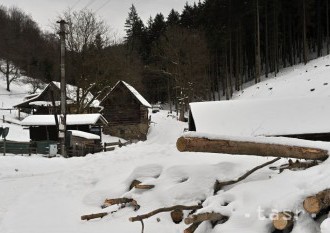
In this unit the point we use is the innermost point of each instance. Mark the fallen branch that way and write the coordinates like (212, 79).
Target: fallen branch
(144, 186)
(219, 185)
(192, 228)
(314, 204)
(93, 216)
(283, 220)
(165, 209)
(116, 201)
(249, 148)
(296, 166)
(204, 217)
(134, 183)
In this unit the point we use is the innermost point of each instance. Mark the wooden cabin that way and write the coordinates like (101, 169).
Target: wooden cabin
(48, 101)
(304, 118)
(43, 128)
(126, 110)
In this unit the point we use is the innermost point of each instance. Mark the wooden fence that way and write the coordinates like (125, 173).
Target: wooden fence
(110, 146)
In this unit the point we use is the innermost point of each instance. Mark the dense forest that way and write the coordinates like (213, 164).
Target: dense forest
(206, 52)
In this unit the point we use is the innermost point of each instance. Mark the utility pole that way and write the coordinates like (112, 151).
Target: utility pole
(62, 125)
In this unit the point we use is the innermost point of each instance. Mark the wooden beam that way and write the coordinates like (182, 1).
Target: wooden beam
(194, 144)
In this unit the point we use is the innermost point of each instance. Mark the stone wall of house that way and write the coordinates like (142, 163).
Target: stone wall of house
(129, 131)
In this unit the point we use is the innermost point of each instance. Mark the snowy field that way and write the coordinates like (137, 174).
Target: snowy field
(40, 195)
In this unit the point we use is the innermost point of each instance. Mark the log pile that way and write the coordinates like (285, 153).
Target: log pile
(283, 220)
(320, 201)
(194, 144)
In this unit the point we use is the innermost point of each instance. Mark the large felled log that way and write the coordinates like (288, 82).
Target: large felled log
(283, 220)
(219, 185)
(165, 209)
(204, 217)
(314, 204)
(194, 144)
(93, 216)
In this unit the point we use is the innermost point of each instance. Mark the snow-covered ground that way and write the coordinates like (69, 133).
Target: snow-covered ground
(40, 195)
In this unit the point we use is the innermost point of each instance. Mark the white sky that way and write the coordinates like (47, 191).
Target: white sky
(114, 12)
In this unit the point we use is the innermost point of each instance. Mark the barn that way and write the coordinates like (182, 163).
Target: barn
(126, 110)
(303, 118)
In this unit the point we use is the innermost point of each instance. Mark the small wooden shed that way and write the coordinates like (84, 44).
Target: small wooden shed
(126, 110)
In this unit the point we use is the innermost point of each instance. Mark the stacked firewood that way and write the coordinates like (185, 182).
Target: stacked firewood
(282, 221)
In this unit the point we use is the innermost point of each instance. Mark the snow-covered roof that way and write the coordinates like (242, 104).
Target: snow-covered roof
(266, 117)
(71, 94)
(143, 101)
(137, 95)
(71, 119)
(82, 134)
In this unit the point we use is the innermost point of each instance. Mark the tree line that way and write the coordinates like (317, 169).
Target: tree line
(206, 52)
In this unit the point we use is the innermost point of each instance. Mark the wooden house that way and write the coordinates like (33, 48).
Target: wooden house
(48, 101)
(127, 112)
(304, 118)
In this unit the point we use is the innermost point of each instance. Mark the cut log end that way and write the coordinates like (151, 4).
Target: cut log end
(177, 216)
(283, 220)
(312, 205)
(181, 144)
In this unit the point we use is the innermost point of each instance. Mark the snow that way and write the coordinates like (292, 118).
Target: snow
(49, 195)
(278, 116)
(85, 135)
(71, 119)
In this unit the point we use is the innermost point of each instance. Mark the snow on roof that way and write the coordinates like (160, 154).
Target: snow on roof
(71, 92)
(143, 101)
(71, 119)
(138, 96)
(82, 134)
(263, 117)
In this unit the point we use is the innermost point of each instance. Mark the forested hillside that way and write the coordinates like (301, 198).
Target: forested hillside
(206, 52)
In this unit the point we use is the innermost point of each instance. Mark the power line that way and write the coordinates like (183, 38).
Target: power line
(89, 3)
(103, 5)
(75, 4)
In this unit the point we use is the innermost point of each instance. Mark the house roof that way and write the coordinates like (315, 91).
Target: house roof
(135, 93)
(267, 117)
(71, 95)
(71, 119)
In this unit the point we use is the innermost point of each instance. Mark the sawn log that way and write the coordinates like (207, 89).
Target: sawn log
(314, 204)
(194, 144)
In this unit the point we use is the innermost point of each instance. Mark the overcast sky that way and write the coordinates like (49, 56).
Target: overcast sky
(114, 12)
